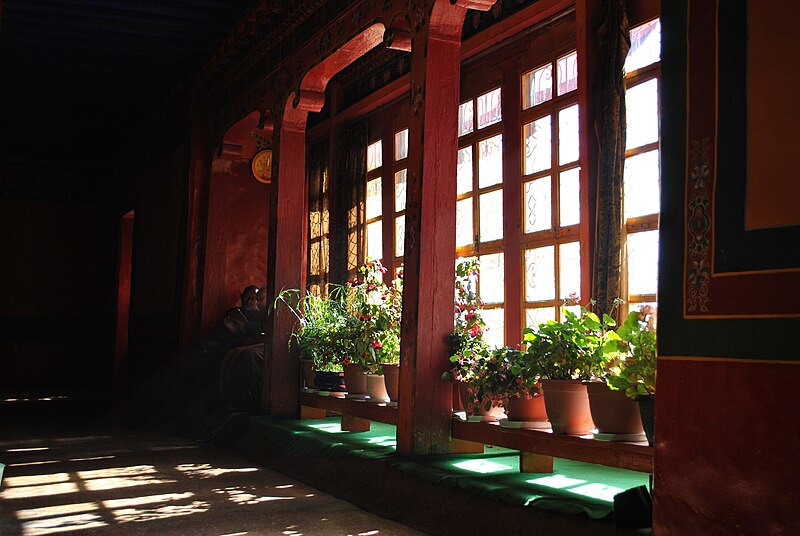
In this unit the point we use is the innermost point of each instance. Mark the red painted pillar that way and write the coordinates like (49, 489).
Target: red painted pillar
(287, 259)
(425, 399)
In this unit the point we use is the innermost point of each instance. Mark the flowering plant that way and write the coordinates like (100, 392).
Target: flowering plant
(375, 311)
(634, 369)
(578, 347)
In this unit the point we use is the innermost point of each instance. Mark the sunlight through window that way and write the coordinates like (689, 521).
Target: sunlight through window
(245, 496)
(482, 466)
(146, 499)
(556, 481)
(38, 491)
(128, 515)
(596, 490)
(331, 428)
(62, 524)
(206, 471)
(35, 480)
(58, 510)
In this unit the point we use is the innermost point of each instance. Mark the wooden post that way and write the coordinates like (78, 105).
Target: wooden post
(355, 424)
(307, 412)
(425, 407)
(530, 462)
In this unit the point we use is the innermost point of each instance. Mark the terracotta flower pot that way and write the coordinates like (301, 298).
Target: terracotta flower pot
(527, 409)
(376, 387)
(612, 411)
(567, 404)
(494, 413)
(355, 380)
(391, 375)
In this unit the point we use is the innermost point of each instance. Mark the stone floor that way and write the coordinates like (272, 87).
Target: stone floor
(72, 478)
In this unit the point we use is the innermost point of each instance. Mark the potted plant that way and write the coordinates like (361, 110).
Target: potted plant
(323, 336)
(474, 366)
(566, 354)
(375, 310)
(634, 370)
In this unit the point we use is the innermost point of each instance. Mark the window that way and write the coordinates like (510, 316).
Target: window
(374, 201)
(479, 202)
(550, 187)
(641, 200)
(318, 219)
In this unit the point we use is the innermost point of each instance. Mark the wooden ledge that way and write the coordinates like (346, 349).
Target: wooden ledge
(631, 456)
(354, 408)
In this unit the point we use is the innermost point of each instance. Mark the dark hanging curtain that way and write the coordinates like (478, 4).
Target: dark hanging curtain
(319, 214)
(614, 43)
(348, 234)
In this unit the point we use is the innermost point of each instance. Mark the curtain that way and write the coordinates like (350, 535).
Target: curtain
(614, 43)
(348, 234)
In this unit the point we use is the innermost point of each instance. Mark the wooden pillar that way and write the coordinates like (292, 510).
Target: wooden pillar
(197, 213)
(287, 259)
(425, 408)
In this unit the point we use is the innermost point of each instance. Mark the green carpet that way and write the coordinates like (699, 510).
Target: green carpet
(573, 487)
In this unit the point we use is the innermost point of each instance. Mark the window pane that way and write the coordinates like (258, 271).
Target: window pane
(374, 189)
(540, 280)
(399, 236)
(568, 135)
(567, 69)
(490, 161)
(495, 326)
(374, 155)
(400, 190)
(465, 113)
(569, 270)
(642, 185)
(324, 259)
(643, 263)
(489, 109)
(645, 46)
(315, 224)
(641, 103)
(538, 148)
(569, 204)
(492, 279)
(538, 205)
(538, 315)
(313, 261)
(491, 210)
(464, 174)
(401, 145)
(375, 240)
(537, 86)
(464, 234)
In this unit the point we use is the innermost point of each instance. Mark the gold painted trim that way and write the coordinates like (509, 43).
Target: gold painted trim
(729, 360)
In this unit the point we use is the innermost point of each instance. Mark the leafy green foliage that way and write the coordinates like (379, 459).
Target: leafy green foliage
(325, 332)
(634, 369)
(579, 347)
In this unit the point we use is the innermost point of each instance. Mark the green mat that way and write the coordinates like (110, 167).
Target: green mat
(573, 487)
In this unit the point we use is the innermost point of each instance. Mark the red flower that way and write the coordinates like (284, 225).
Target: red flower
(377, 344)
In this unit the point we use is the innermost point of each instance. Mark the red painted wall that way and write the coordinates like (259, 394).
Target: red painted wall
(237, 237)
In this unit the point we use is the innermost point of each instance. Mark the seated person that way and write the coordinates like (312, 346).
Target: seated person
(230, 332)
(241, 379)
(249, 300)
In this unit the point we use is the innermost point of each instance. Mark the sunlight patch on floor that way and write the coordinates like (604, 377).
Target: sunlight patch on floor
(204, 470)
(239, 495)
(55, 525)
(58, 510)
(128, 515)
(35, 480)
(146, 499)
(25, 492)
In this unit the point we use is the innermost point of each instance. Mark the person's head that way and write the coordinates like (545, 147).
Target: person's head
(262, 298)
(250, 298)
(234, 321)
